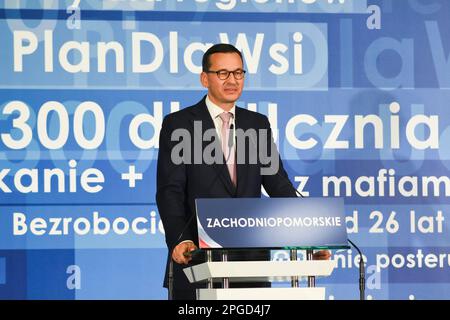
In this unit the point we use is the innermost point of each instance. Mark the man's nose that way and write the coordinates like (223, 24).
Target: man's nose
(231, 78)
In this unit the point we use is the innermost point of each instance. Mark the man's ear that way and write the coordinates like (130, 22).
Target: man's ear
(204, 79)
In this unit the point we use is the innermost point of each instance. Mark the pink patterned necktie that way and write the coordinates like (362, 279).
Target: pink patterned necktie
(231, 163)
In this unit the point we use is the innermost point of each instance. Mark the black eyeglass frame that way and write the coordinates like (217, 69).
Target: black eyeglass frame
(221, 71)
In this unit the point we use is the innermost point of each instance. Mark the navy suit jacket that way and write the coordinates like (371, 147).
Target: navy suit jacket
(178, 185)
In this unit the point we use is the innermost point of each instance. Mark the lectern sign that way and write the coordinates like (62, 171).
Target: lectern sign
(271, 222)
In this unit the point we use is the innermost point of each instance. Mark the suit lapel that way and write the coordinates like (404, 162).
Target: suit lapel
(201, 113)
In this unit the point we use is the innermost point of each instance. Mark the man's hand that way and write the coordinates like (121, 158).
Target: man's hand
(181, 252)
(322, 255)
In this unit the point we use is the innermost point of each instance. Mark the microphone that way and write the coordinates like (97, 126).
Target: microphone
(362, 278)
(290, 183)
(230, 140)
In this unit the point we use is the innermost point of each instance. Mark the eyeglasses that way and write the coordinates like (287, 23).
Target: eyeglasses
(224, 74)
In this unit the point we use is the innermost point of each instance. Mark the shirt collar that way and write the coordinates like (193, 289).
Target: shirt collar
(215, 110)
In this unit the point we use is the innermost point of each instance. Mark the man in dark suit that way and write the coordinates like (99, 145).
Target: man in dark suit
(179, 183)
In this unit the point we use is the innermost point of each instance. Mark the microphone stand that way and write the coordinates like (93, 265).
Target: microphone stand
(170, 278)
(362, 279)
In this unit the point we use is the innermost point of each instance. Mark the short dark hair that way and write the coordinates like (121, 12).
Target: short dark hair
(218, 48)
